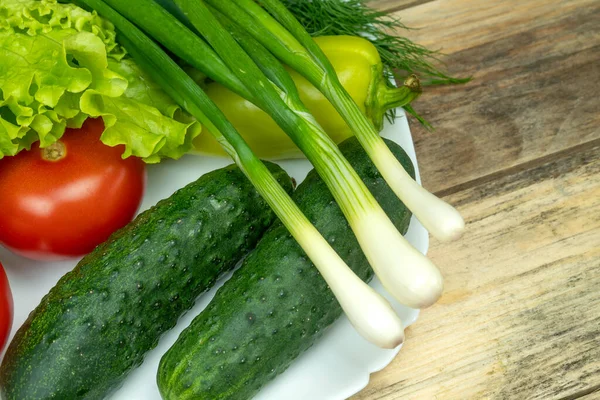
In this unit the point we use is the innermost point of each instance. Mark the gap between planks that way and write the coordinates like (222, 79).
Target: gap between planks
(518, 168)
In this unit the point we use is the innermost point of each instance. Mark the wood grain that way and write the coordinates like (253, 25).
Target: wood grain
(518, 150)
(534, 92)
(520, 317)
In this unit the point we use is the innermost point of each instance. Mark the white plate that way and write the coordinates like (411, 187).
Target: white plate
(337, 367)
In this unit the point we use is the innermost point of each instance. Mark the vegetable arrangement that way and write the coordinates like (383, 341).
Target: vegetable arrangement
(370, 312)
(246, 76)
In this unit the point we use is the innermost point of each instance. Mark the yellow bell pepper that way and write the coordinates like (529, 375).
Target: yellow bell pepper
(360, 71)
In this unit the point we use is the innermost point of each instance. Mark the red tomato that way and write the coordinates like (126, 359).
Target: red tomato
(6, 308)
(64, 200)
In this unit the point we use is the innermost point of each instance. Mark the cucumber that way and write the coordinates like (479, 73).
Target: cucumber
(276, 305)
(101, 318)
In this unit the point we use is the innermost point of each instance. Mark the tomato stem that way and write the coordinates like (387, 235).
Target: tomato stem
(55, 152)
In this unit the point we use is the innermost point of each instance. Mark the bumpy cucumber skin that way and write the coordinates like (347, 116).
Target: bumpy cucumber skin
(277, 305)
(100, 319)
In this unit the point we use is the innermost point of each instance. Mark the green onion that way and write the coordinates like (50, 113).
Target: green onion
(418, 283)
(283, 35)
(369, 312)
(388, 241)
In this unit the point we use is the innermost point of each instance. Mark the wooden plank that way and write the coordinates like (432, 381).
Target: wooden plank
(535, 88)
(456, 25)
(520, 316)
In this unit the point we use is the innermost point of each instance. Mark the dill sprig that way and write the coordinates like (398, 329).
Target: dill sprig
(401, 57)
(354, 17)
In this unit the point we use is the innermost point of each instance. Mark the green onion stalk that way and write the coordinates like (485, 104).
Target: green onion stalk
(280, 32)
(368, 311)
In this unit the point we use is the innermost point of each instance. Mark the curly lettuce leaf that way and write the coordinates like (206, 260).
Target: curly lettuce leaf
(59, 65)
(142, 103)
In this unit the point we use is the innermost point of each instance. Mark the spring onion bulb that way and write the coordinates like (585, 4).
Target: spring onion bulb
(285, 37)
(370, 313)
(406, 274)
(442, 220)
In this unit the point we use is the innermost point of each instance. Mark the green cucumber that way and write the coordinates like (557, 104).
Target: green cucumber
(276, 305)
(101, 318)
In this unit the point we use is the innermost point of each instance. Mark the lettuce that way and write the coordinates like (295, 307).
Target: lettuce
(60, 64)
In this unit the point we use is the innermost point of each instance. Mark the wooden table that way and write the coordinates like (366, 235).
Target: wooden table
(518, 152)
